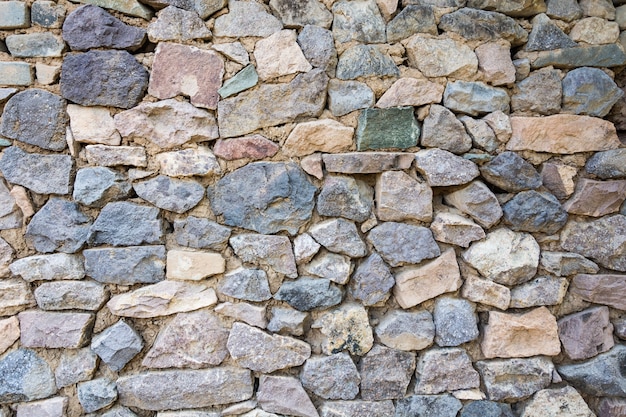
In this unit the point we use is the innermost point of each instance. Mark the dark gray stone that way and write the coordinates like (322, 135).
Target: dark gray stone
(96, 394)
(171, 194)
(371, 282)
(395, 127)
(365, 61)
(486, 409)
(266, 197)
(347, 197)
(357, 408)
(475, 98)
(36, 117)
(411, 20)
(333, 377)
(540, 92)
(126, 266)
(96, 186)
(608, 164)
(385, 373)
(48, 14)
(126, 224)
(70, 295)
(455, 321)
(25, 376)
(299, 13)
(358, 20)
(532, 211)
(483, 25)
(428, 406)
(103, 78)
(245, 284)
(546, 36)
(566, 10)
(589, 91)
(341, 236)
(42, 174)
(91, 27)
(199, 233)
(305, 294)
(117, 345)
(318, 47)
(511, 172)
(58, 226)
(347, 96)
(401, 243)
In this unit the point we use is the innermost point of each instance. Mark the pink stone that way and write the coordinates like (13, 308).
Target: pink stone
(253, 147)
(312, 165)
(596, 198)
(587, 333)
(601, 289)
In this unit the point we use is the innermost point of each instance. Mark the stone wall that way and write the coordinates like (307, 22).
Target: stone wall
(362, 208)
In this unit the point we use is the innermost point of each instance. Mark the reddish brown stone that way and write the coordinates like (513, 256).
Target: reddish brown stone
(596, 198)
(253, 147)
(367, 162)
(587, 333)
(601, 289)
(55, 330)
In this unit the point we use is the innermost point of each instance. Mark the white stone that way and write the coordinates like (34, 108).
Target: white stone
(279, 54)
(93, 125)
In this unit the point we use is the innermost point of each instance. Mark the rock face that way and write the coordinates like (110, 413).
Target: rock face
(117, 345)
(385, 373)
(345, 328)
(444, 370)
(440, 57)
(306, 294)
(511, 172)
(266, 250)
(564, 401)
(393, 189)
(54, 330)
(345, 197)
(26, 377)
(515, 378)
(365, 61)
(406, 331)
(576, 85)
(387, 128)
(478, 201)
(170, 194)
(126, 224)
(600, 376)
(455, 321)
(42, 174)
(483, 25)
(532, 211)
(587, 333)
(428, 406)
(596, 198)
(332, 377)
(400, 244)
(371, 281)
(602, 289)
(271, 399)
(443, 130)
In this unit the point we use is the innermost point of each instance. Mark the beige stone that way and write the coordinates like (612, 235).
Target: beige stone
(188, 162)
(559, 179)
(595, 31)
(440, 57)
(194, 266)
(93, 125)
(9, 333)
(47, 74)
(455, 229)
(387, 8)
(557, 402)
(596, 198)
(367, 162)
(108, 156)
(15, 296)
(245, 312)
(51, 407)
(312, 165)
(562, 134)
(521, 335)
(500, 123)
(400, 197)
(324, 135)
(411, 92)
(22, 200)
(345, 328)
(278, 55)
(416, 284)
(486, 292)
(477, 201)
(494, 61)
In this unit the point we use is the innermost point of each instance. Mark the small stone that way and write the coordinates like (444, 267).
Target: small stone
(596, 198)
(478, 201)
(171, 194)
(411, 92)
(486, 409)
(346, 197)
(610, 407)
(270, 251)
(511, 172)
(193, 266)
(104, 155)
(305, 248)
(564, 264)
(76, 365)
(246, 19)
(387, 7)
(514, 379)
(318, 136)
(10, 332)
(58, 266)
(174, 24)
(188, 162)
(445, 370)
(406, 330)
(559, 179)
(272, 399)
(92, 125)
(42, 174)
(357, 408)
(345, 328)
(595, 31)
(443, 130)
(365, 61)
(96, 186)
(52, 407)
(279, 55)
(54, 330)
(70, 295)
(15, 73)
(340, 236)
(245, 284)
(233, 51)
(387, 128)
(455, 321)
(318, 47)
(557, 402)
(287, 321)
(580, 98)
(532, 211)
(126, 224)
(118, 411)
(428, 406)
(600, 289)
(494, 62)
(206, 8)
(440, 57)
(305, 294)
(486, 292)
(541, 291)
(25, 377)
(34, 45)
(500, 123)
(22, 200)
(15, 15)
(484, 25)
(200, 233)
(455, 229)
(367, 162)
(599, 376)
(358, 20)
(96, 394)
(566, 10)
(245, 312)
(347, 96)
(443, 168)
(126, 266)
(252, 147)
(332, 266)
(540, 92)
(400, 197)
(243, 80)
(546, 36)
(598, 8)
(587, 333)
(332, 377)
(608, 164)
(475, 98)
(48, 14)
(401, 244)
(411, 20)
(385, 373)
(372, 281)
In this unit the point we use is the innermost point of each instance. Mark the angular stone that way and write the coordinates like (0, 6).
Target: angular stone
(332, 266)
(190, 340)
(440, 57)
(443, 130)
(358, 21)
(272, 399)
(92, 125)
(47, 13)
(514, 379)
(428, 406)
(587, 333)
(411, 92)
(406, 330)
(318, 47)
(126, 266)
(162, 299)
(537, 327)
(118, 411)
(596, 198)
(312, 165)
(540, 92)
(245, 284)
(15, 15)
(511, 7)
(15, 73)
(557, 402)
(564, 264)
(104, 155)
(595, 31)
(25, 377)
(592, 56)
(340, 236)
(305, 294)
(400, 197)
(331, 377)
(608, 164)
(10, 332)
(365, 61)
(411, 20)
(15, 296)
(345, 328)
(54, 330)
(347, 96)
(200, 233)
(233, 51)
(600, 289)
(252, 147)
(96, 394)
(324, 135)
(357, 408)
(494, 62)
(511, 172)
(343, 196)
(243, 80)
(475, 98)
(455, 229)
(486, 292)
(182, 389)
(188, 162)
(483, 25)
(442, 168)
(47, 74)
(305, 248)
(70, 295)
(52, 407)
(302, 12)
(57, 266)
(372, 281)
(279, 55)
(287, 321)
(96, 186)
(401, 244)
(610, 407)
(444, 370)
(129, 7)
(455, 321)
(125, 224)
(532, 211)
(486, 409)
(171, 194)
(478, 201)
(176, 24)
(541, 291)
(367, 162)
(387, 128)
(244, 312)
(600, 376)
(103, 78)
(35, 45)
(246, 19)
(274, 252)
(559, 179)
(42, 174)
(566, 10)
(589, 91)
(385, 373)
(75, 365)
(547, 36)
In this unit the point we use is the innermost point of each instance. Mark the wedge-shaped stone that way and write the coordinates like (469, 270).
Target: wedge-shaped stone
(564, 264)
(332, 266)
(55, 330)
(596, 198)
(365, 61)
(455, 229)
(442, 168)
(345, 328)
(372, 281)
(486, 292)
(117, 345)
(400, 244)
(246, 284)
(600, 289)
(385, 373)
(126, 266)
(444, 370)
(49, 267)
(25, 377)
(608, 164)
(324, 135)
(266, 250)
(440, 57)
(272, 398)
(345, 196)
(540, 291)
(279, 55)
(514, 379)
(340, 236)
(601, 376)
(557, 402)
(511, 172)
(478, 201)
(367, 162)
(253, 315)
(411, 92)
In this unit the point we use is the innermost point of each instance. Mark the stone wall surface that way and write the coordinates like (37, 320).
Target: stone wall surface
(312, 208)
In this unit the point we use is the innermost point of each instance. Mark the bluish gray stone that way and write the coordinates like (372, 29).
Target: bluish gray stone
(266, 197)
(394, 127)
(299, 13)
(126, 224)
(305, 294)
(455, 321)
(365, 61)
(511, 172)
(385, 373)
(358, 20)
(340, 236)
(14, 15)
(47, 13)
(96, 186)
(474, 98)
(608, 164)
(35, 45)
(176, 24)
(117, 345)
(371, 282)
(246, 19)
(566, 10)
(75, 365)
(199, 233)
(126, 266)
(589, 91)
(609, 55)
(486, 409)
(473, 24)
(96, 394)
(344, 196)
(42, 174)
(347, 96)
(71, 295)
(532, 211)
(103, 78)
(171, 194)
(546, 36)
(428, 406)
(411, 20)
(400, 243)
(25, 376)
(245, 284)
(243, 80)
(318, 47)
(14, 74)
(540, 92)
(333, 377)
(36, 117)
(60, 226)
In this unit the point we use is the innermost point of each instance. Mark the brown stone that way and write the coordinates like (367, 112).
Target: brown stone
(253, 147)
(279, 55)
(400, 197)
(251, 314)
(194, 266)
(55, 330)
(440, 57)
(367, 162)
(494, 61)
(596, 198)
(312, 165)
(500, 123)
(478, 201)
(455, 229)
(15, 296)
(562, 134)
(324, 135)
(486, 292)
(586, 333)
(521, 335)
(187, 70)
(601, 289)
(595, 31)
(559, 179)
(610, 407)
(557, 402)
(9, 333)
(92, 125)
(345, 328)
(411, 92)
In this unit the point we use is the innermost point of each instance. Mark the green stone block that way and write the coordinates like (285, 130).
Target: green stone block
(394, 127)
(610, 55)
(244, 79)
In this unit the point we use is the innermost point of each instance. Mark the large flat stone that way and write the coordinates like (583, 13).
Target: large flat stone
(596, 198)
(42, 174)
(405, 330)
(610, 55)
(483, 25)
(367, 162)
(357, 408)
(25, 376)
(275, 252)
(127, 224)
(445, 370)
(515, 379)
(272, 399)
(126, 266)
(35, 45)
(44, 329)
(15, 296)
(172, 194)
(15, 15)
(71, 295)
(57, 266)
(478, 201)
(600, 289)
(586, 333)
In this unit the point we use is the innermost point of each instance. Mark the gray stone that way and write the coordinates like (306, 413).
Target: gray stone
(367, 162)
(16, 74)
(428, 406)
(47, 13)
(69, 295)
(15, 15)
(540, 92)
(243, 80)
(486, 409)
(483, 25)
(286, 320)
(205, 8)
(442, 168)
(610, 55)
(129, 7)
(483, 137)
(343, 196)
(117, 345)
(601, 376)
(270, 251)
(515, 379)
(439, 57)
(564, 264)
(372, 281)
(52, 407)
(546, 36)
(246, 19)
(443, 130)
(318, 47)
(104, 155)
(357, 408)
(385, 373)
(244, 312)
(608, 164)
(10, 213)
(90, 27)
(118, 411)
(272, 399)
(96, 394)
(445, 370)
(126, 266)
(15, 296)
(75, 365)
(340, 236)
(245, 284)
(175, 24)
(475, 98)
(589, 91)
(332, 266)
(25, 376)
(405, 330)
(586, 333)
(35, 45)
(96, 186)
(358, 20)
(540, 291)
(36, 117)
(511, 173)
(200, 233)
(45, 329)
(42, 174)
(566, 10)
(332, 377)
(455, 321)
(400, 243)
(49, 267)
(387, 128)
(411, 20)
(347, 96)
(171, 194)
(126, 224)
(301, 13)
(400, 197)
(365, 61)
(305, 294)
(513, 8)
(103, 78)
(477, 201)
(532, 211)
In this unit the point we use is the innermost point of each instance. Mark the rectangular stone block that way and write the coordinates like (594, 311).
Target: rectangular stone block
(15, 73)
(55, 330)
(14, 15)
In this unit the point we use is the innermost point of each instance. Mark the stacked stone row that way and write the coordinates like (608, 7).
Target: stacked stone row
(312, 208)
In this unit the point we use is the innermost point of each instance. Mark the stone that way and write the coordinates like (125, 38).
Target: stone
(598, 8)
(442, 168)
(243, 80)
(428, 406)
(580, 98)
(344, 196)
(367, 162)
(477, 201)
(42, 174)
(332, 266)
(318, 47)
(510, 8)
(174, 24)
(371, 282)
(445, 370)
(559, 179)
(305, 294)
(119, 411)
(92, 125)
(96, 186)
(302, 13)
(90, 27)
(416, 284)
(358, 21)
(598, 240)
(279, 55)
(511, 172)
(557, 402)
(126, 224)
(305, 248)
(233, 51)
(333, 377)
(347, 96)
(564, 264)
(52, 407)
(271, 396)
(246, 19)
(103, 78)
(47, 13)
(287, 321)
(541, 92)
(126, 266)
(44, 329)
(595, 31)
(312, 165)
(206, 8)
(365, 61)
(75, 365)
(514, 379)
(105, 155)
(411, 20)
(455, 321)
(11, 216)
(183, 389)
(566, 10)
(506, 257)
(500, 123)
(192, 340)
(58, 266)
(547, 36)
(440, 57)
(537, 327)
(270, 352)
(607, 164)
(495, 64)
(405, 330)
(609, 55)
(245, 284)
(587, 333)
(610, 407)
(251, 147)
(270, 251)
(483, 25)
(128, 7)
(23, 202)
(177, 195)
(10, 331)
(188, 162)
(15, 73)
(475, 98)
(36, 117)
(532, 211)
(400, 197)
(541, 291)
(455, 229)
(486, 292)
(599, 376)
(245, 312)
(282, 103)
(162, 299)
(318, 136)
(15, 15)
(345, 328)
(486, 409)
(69, 295)
(340, 236)
(411, 92)
(35, 45)
(199, 78)
(596, 198)
(600, 289)
(200, 233)
(25, 376)
(401, 244)
(385, 373)
(441, 129)
(357, 408)
(96, 394)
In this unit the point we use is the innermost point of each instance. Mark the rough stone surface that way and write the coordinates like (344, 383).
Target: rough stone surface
(365, 61)
(411, 92)
(401, 244)
(557, 402)
(16, 296)
(455, 229)
(104, 155)
(367, 162)
(246, 19)
(514, 379)
(400, 197)
(540, 92)
(475, 98)
(476, 200)
(245, 284)
(275, 252)
(428, 406)
(96, 394)
(70, 295)
(96, 186)
(335, 267)
(486, 409)
(340, 236)
(345, 328)
(455, 321)
(25, 377)
(343, 196)
(75, 365)
(532, 211)
(442, 370)
(494, 62)
(595, 31)
(540, 291)
(546, 36)
(442, 168)
(589, 91)
(511, 172)
(600, 289)
(33, 45)
(200, 233)
(486, 292)
(333, 377)
(600, 376)
(52, 407)
(42, 174)
(54, 330)
(371, 282)
(587, 333)
(483, 25)
(564, 264)
(607, 164)
(347, 96)
(302, 13)
(14, 74)
(250, 147)
(324, 135)
(126, 224)
(58, 266)
(287, 320)
(188, 162)
(171, 194)
(385, 373)
(387, 128)
(406, 330)
(318, 47)
(272, 399)
(10, 332)
(244, 312)
(243, 80)
(15, 15)
(358, 20)
(92, 125)
(279, 55)
(305, 294)
(411, 20)
(596, 198)
(441, 129)
(440, 57)
(176, 24)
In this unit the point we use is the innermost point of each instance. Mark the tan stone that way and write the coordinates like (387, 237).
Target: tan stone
(521, 335)
(367, 162)
(557, 402)
(596, 198)
(416, 284)
(400, 197)
(194, 266)
(455, 229)
(278, 55)
(562, 134)
(559, 179)
(601, 289)
(324, 135)
(486, 292)
(15, 296)
(494, 61)
(47, 74)
(22, 200)
(500, 123)
(595, 31)
(9, 333)
(312, 165)
(477, 201)
(245, 312)
(411, 92)
(252, 147)
(387, 8)
(440, 57)
(93, 125)
(188, 162)
(108, 156)
(345, 328)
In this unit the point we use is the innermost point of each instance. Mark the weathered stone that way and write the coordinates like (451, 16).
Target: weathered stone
(494, 62)
(610, 55)
(104, 155)
(358, 21)
(566, 10)
(332, 377)
(608, 164)
(596, 198)
(546, 36)
(302, 13)
(253, 147)
(401, 244)
(171, 194)
(589, 91)
(15, 297)
(251, 314)
(245, 284)
(47, 13)
(455, 229)
(406, 330)
(233, 51)
(287, 320)
(324, 135)
(69, 295)
(347, 96)
(483, 25)
(312, 165)
(428, 406)
(36, 117)
(601, 376)
(532, 211)
(126, 266)
(162, 299)
(440, 57)
(246, 19)
(200, 233)
(14, 73)
(279, 55)
(537, 327)
(272, 399)
(54, 330)
(129, 7)
(510, 7)
(486, 409)
(443, 130)
(343, 196)
(57, 266)
(455, 321)
(76, 365)
(385, 373)
(125, 224)
(411, 92)
(340, 236)
(541, 291)
(15, 15)
(243, 80)
(332, 266)
(595, 31)
(119, 411)
(367, 162)
(42, 174)
(442, 370)
(372, 281)
(540, 92)
(305, 294)
(345, 328)
(559, 179)
(557, 402)
(564, 264)
(514, 379)
(174, 24)
(475, 98)
(305, 248)
(400, 197)
(365, 61)
(52, 407)
(411, 20)
(443, 168)
(600, 289)
(25, 376)
(486, 292)
(387, 128)
(477, 201)
(181, 389)
(598, 8)
(96, 186)
(511, 172)
(35, 45)
(191, 340)
(10, 213)
(587, 333)
(188, 162)
(274, 252)
(10, 333)
(357, 408)
(610, 407)
(96, 394)
(103, 78)
(92, 125)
